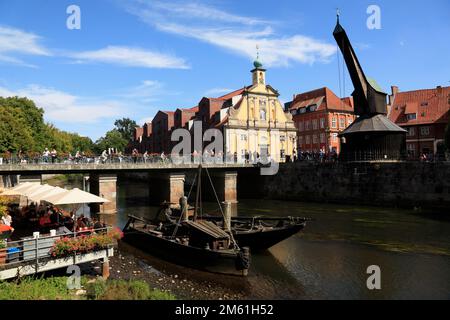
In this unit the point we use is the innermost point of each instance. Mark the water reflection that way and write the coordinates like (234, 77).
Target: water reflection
(329, 259)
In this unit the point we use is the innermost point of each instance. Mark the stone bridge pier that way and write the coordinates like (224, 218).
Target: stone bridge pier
(225, 184)
(31, 178)
(166, 187)
(105, 186)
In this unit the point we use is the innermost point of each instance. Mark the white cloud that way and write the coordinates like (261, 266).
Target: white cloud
(65, 107)
(144, 121)
(217, 92)
(15, 41)
(129, 56)
(197, 11)
(238, 34)
(147, 91)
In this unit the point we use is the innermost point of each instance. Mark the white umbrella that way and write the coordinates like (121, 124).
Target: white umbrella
(74, 196)
(32, 190)
(17, 190)
(40, 194)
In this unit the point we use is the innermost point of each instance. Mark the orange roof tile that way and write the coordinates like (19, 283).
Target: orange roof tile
(429, 105)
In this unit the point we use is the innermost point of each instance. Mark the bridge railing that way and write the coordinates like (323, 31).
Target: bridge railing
(139, 159)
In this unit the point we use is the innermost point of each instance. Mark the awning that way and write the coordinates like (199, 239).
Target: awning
(16, 191)
(74, 196)
(39, 195)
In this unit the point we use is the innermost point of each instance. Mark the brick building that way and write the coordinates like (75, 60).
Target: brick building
(424, 113)
(182, 117)
(319, 117)
(162, 125)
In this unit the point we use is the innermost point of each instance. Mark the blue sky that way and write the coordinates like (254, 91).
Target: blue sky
(133, 57)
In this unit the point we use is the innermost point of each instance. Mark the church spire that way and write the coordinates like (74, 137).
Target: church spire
(259, 74)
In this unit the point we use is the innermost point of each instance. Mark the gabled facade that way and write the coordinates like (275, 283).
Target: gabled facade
(253, 121)
(162, 125)
(319, 117)
(424, 114)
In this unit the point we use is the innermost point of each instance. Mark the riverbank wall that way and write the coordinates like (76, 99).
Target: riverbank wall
(395, 184)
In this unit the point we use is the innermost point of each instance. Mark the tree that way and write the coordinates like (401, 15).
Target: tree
(22, 127)
(112, 139)
(126, 128)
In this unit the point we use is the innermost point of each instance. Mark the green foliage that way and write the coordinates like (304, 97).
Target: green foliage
(112, 139)
(125, 290)
(126, 128)
(36, 289)
(96, 289)
(4, 202)
(55, 288)
(22, 127)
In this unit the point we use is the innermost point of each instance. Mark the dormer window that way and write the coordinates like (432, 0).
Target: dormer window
(312, 108)
(424, 104)
(411, 116)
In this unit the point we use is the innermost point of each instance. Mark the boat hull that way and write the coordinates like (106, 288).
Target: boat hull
(197, 258)
(260, 240)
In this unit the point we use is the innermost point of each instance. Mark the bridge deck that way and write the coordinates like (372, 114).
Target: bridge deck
(48, 168)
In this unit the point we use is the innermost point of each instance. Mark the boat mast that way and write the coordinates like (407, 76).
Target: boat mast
(199, 189)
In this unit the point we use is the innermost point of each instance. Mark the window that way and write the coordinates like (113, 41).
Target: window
(300, 140)
(262, 109)
(243, 137)
(342, 123)
(307, 125)
(301, 126)
(314, 138)
(322, 123)
(350, 121)
(312, 108)
(315, 124)
(322, 138)
(411, 147)
(282, 138)
(411, 116)
(302, 110)
(411, 131)
(424, 104)
(334, 137)
(333, 122)
(424, 131)
(308, 139)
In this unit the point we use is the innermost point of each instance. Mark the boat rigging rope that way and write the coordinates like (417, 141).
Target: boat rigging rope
(220, 207)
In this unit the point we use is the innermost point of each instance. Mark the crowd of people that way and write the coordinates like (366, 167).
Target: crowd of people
(43, 218)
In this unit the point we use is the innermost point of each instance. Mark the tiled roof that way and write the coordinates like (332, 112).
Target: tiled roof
(232, 94)
(324, 98)
(429, 105)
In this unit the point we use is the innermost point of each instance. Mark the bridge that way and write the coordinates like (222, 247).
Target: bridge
(166, 178)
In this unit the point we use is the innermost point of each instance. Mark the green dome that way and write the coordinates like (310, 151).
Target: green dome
(257, 64)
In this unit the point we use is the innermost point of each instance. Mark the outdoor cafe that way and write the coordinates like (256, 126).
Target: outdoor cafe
(43, 228)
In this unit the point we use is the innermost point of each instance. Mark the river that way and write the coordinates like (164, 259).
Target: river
(330, 257)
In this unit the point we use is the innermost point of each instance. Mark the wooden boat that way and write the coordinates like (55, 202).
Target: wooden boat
(261, 233)
(197, 244)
